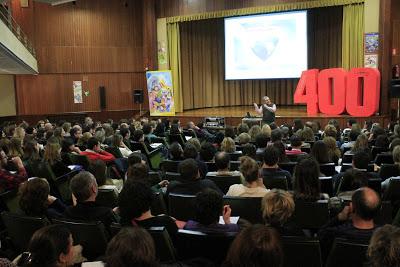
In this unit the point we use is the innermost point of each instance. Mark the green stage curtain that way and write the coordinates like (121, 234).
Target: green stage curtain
(203, 70)
(353, 36)
(173, 35)
(263, 9)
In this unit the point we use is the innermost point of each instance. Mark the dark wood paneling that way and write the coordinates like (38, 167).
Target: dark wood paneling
(53, 94)
(169, 8)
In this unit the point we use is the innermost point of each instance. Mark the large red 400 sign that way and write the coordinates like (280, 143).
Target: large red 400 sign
(334, 91)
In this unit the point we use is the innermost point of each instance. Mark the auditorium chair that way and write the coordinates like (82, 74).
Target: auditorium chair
(347, 253)
(21, 228)
(385, 214)
(107, 198)
(81, 160)
(234, 165)
(224, 181)
(383, 158)
(347, 158)
(392, 193)
(235, 155)
(114, 151)
(389, 170)
(378, 150)
(172, 176)
(347, 166)
(154, 157)
(181, 206)
(176, 138)
(328, 169)
(311, 215)
(158, 205)
(10, 200)
(91, 235)
(375, 184)
(248, 208)
(211, 167)
(288, 166)
(161, 140)
(326, 185)
(165, 250)
(278, 182)
(301, 251)
(193, 244)
(168, 165)
(306, 149)
(154, 177)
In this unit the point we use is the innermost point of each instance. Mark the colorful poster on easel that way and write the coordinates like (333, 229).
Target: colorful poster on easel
(161, 93)
(77, 88)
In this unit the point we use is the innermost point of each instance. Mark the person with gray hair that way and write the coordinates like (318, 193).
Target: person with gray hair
(84, 192)
(267, 110)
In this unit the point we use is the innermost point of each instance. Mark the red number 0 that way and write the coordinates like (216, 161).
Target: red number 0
(333, 91)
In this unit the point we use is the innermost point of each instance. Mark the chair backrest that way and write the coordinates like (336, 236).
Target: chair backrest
(279, 182)
(311, 215)
(375, 183)
(224, 181)
(107, 198)
(169, 165)
(21, 228)
(10, 200)
(385, 214)
(389, 170)
(346, 166)
(214, 247)
(181, 206)
(165, 250)
(235, 155)
(328, 169)
(158, 205)
(176, 138)
(115, 151)
(172, 176)
(347, 253)
(248, 208)
(326, 185)
(383, 158)
(211, 166)
(347, 158)
(288, 166)
(378, 150)
(80, 160)
(393, 191)
(91, 235)
(301, 251)
(234, 165)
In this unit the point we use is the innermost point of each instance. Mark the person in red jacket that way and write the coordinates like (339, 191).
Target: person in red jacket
(94, 152)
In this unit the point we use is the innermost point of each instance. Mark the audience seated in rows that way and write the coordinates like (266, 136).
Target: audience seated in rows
(270, 167)
(94, 152)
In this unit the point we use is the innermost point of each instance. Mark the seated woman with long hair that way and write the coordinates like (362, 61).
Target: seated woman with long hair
(52, 155)
(35, 199)
(253, 184)
(118, 142)
(50, 246)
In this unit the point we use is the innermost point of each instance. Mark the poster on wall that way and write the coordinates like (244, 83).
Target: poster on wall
(371, 43)
(161, 93)
(371, 61)
(77, 88)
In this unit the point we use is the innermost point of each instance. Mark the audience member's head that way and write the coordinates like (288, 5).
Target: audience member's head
(208, 207)
(176, 151)
(33, 197)
(307, 134)
(306, 182)
(365, 204)
(249, 169)
(330, 130)
(296, 141)
(49, 246)
(93, 144)
(352, 180)
(207, 151)
(361, 160)
(276, 135)
(228, 145)
(244, 138)
(52, 152)
(222, 160)
(84, 187)
(99, 170)
(189, 170)
(249, 150)
(320, 152)
(190, 151)
(242, 128)
(258, 245)
(382, 141)
(230, 132)
(271, 156)
(195, 142)
(277, 207)
(262, 140)
(138, 172)
(281, 149)
(254, 131)
(384, 247)
(132, 246)
(134, 200)
(396, 154)
(266, 129)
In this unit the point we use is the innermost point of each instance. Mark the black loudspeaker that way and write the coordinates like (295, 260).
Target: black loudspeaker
(395, 88)
(138, 96)
(102, 94)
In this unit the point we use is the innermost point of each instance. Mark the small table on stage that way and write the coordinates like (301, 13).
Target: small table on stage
(252, 121)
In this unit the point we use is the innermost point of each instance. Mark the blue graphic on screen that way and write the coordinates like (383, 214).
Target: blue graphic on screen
(266, 46)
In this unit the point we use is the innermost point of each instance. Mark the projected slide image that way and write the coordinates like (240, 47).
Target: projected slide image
(266, 46)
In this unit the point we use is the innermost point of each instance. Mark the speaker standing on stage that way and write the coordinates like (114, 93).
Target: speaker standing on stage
(267, 110)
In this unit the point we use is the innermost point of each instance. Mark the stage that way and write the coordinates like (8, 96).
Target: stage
(284, 114)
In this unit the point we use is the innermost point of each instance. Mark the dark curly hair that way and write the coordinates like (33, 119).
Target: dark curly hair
(208, 206)
(135, 199)
(33, 197)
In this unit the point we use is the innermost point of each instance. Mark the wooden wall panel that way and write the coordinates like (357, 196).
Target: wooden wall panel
(52, 93)
(169, 8)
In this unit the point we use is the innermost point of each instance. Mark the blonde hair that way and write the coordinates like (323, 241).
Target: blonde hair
(195, 142)
(254, 131)
(52, 151)
(85, 137)
(277, 207)
(244, 138)
(15, 148)
(249, 169)
(19, 133)
(228, 145)
(266, 130)
(333, 150)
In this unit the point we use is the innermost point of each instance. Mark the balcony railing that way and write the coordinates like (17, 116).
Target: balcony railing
(9, 21)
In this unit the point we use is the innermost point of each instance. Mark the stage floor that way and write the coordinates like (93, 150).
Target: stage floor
(284, 114)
